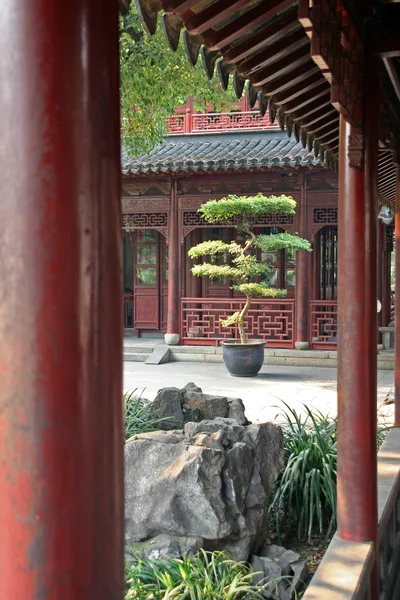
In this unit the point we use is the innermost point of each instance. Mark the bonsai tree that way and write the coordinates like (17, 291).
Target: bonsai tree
(244, 269)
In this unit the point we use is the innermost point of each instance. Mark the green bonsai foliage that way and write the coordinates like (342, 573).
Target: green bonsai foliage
(243, 268)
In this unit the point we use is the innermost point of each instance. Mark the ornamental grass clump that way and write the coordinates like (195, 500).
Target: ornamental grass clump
(242, 266)
(306, 488)
(205, 576)
(137, 416)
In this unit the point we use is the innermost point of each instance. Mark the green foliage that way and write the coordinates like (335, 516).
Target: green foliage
(206, 576)
(307, 484)
(136, 416)
(280, 241)
(215, 271)
(246, 209)
(213, 247)
(154, 81)
(259, 289)
(244, 266)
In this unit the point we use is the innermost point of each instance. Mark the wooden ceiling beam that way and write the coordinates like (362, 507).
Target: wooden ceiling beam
(319, 94)
(328, 126)
(274, 52)
(314, 123)
(291, 79)
(328, 139)
(315, 81)
(213, 15)
(313, 111)
(267, 36)
(256, 16)
(277, 69)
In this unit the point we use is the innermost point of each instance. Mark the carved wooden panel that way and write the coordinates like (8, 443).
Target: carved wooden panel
(146, 310)
(322, 216)
(144, 220)
(145, 204)
(194, 219)
(270, 320)
(322, 199)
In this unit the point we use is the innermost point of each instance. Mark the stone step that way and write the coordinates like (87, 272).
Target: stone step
(273, 356)
(139, 348)
(136, 356)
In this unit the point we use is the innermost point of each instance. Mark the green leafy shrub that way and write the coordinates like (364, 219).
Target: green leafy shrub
(245, 270)
(136, 416)
(306, 487)
(307, 484)
(206, 576)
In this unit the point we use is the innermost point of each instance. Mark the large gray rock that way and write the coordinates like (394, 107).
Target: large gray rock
(284, 568)
(211, 481)
(190, 404)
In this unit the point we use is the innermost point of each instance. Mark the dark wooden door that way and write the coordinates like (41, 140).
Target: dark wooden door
(147, 279)
(327, 238)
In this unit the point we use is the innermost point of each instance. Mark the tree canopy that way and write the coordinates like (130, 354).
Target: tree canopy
(240, 264)
(154, 80)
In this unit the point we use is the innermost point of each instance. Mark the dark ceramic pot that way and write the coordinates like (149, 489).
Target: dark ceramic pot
(243, 360)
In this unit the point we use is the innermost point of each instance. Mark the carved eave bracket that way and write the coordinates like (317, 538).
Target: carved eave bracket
(355, 151)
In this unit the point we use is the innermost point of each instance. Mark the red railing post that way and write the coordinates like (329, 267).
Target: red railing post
(188, 121)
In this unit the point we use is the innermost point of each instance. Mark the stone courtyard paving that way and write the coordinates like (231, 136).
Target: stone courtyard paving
(262, 395)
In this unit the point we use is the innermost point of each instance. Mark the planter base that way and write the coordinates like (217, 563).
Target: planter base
(243, 360)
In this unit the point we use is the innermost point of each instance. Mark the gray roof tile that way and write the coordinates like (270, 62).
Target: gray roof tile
(220, 152)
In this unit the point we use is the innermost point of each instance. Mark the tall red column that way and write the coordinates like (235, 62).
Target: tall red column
(379, 273)
(397, 305)
(303, 279)
(174, 250)
(357, 356)
(61, 439)
(386, 282)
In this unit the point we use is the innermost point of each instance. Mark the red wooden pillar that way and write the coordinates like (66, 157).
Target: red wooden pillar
(386, 281)
(357, 356)
(397, 305)
(303, 279)
(174, 250)
(379, 273)
(61, 465)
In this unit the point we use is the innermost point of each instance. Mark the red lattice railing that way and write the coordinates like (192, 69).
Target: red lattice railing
(204, 122)
(270, 320)
(176, 124)
(323, 324)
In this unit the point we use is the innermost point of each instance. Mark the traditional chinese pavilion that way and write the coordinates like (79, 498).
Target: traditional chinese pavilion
(329, 71)
(211, 155)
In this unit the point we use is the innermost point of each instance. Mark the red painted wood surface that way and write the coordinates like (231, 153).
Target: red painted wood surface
(357, 501)
(174, 248)
(61, 439)
(268, 319)
(323, 324)
(397, 306)
(303, 274)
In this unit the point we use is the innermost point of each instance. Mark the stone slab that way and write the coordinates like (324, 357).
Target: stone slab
(159, 356)
(344, 572)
